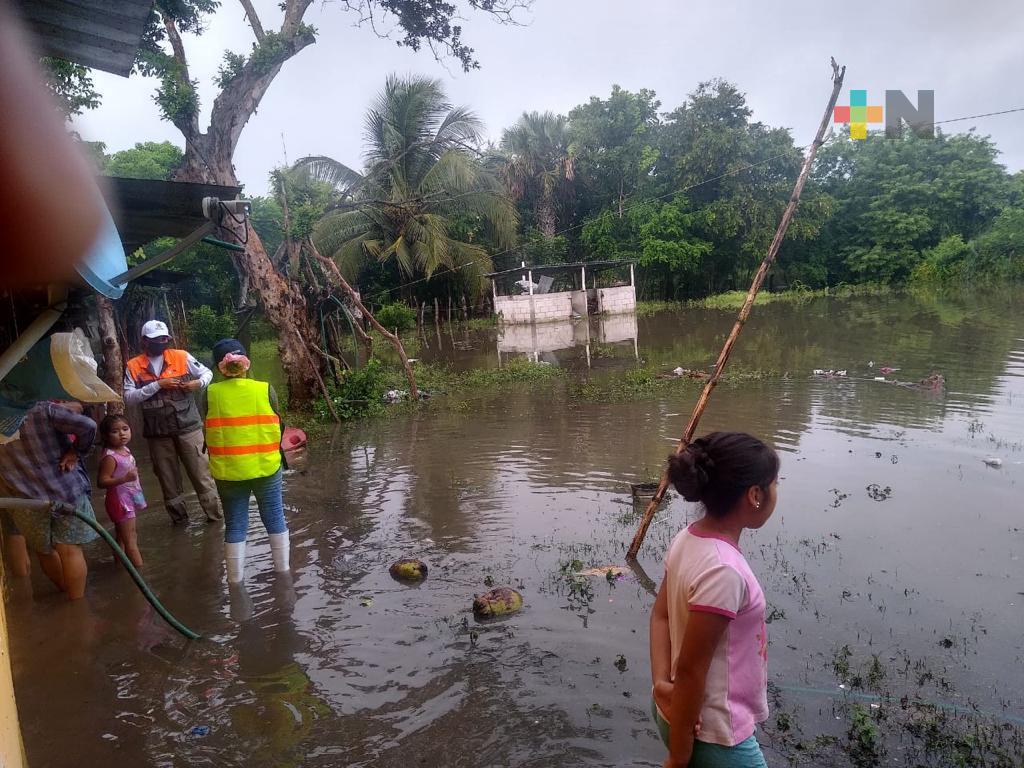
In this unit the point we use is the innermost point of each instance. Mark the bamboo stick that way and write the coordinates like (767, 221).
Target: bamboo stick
(723, 357)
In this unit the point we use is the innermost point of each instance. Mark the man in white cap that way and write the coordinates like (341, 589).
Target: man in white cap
(162, 380)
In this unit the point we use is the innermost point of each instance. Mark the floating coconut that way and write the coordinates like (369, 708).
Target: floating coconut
(408, 569)
(500, 601)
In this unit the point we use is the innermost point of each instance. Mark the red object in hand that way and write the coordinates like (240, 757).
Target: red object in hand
(292, 439)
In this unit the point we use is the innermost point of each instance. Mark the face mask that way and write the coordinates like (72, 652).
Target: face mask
(155, 348)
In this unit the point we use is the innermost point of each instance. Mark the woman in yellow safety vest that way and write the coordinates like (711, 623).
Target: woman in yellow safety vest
(243, 436)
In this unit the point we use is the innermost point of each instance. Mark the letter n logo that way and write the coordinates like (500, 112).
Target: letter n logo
(920, 119)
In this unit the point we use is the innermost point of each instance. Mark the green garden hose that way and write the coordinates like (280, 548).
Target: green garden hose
(49, 507)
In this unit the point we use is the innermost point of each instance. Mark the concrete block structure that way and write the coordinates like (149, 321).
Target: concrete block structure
(522, 300)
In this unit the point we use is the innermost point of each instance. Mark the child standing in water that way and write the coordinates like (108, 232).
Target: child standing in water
(243, 436)
(709, 642)
(120, 476)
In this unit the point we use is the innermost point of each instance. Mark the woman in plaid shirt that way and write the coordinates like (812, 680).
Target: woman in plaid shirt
(44, 463)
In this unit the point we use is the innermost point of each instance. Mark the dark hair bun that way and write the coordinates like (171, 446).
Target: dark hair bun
(691, 471)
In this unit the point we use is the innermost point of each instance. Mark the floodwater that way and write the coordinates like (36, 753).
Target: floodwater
(892, 540)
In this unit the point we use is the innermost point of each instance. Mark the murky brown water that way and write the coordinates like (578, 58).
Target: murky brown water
(345, 667)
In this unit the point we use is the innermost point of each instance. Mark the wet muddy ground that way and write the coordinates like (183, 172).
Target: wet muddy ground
(892, 568)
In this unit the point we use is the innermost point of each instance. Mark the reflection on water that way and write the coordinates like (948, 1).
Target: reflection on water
(347, 667)
(540, 341)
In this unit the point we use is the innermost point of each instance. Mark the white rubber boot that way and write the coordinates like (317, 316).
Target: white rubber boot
(279, 549)
(234, 558)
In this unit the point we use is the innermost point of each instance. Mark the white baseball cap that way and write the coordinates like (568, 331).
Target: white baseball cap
(154, 329)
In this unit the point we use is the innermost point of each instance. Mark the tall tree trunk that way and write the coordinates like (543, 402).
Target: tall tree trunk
(283, 303)
(546, 216)
(208, 158)
(112, 365)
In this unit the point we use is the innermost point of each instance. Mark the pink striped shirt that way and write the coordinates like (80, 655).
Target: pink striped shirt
(707, 573)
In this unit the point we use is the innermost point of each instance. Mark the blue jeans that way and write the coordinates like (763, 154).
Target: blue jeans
(234, 497)
(746, 754)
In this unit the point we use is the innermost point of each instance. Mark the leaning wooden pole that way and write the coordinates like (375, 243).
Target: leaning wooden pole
(332, 269)
(698, 410)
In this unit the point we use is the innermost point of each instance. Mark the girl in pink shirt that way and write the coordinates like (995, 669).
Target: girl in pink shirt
(120, 476)
(709, 643)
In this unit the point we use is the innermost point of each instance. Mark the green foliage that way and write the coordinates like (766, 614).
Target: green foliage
(396, 316)
(207, 327)
(176, 97)
(896, 199)
(72, 85)
(229, 69)
(537, 249)
(798, 294)
(943, 263)
(430, 22)
(146, 160)
(994, 255)
(999, 250)
(615, 143)
(660, 236)
(360, 393)
(866, 747)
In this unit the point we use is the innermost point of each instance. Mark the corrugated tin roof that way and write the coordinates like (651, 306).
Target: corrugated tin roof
(104, 34)
(145, 209)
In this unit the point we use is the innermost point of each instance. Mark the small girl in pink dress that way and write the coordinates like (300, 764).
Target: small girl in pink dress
(119, 475)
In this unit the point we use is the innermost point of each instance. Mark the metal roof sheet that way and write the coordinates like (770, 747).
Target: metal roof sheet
(103, 34)
(146, 209)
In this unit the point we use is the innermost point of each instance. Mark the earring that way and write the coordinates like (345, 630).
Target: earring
(757, 505)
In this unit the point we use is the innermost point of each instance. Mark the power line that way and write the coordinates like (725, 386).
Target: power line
(655, 198)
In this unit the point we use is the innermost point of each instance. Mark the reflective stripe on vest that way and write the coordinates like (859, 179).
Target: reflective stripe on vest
(243, 434)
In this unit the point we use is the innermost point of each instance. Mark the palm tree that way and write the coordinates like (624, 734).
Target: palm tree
(422, 184)
(537, 162)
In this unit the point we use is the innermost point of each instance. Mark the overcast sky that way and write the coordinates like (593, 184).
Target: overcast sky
(970, 54)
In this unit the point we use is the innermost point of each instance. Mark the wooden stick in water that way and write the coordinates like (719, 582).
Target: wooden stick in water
(698, 410)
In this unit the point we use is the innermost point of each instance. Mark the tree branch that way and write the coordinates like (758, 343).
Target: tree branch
(254, 20)
(241, 96)
(177, 48)
(293, 13)
(188, 126)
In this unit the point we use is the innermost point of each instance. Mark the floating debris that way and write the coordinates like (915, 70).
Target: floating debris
(500, 601)
(408, 569)
(610, 572)
(993, 461)
(877, 493)
(687, 373)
